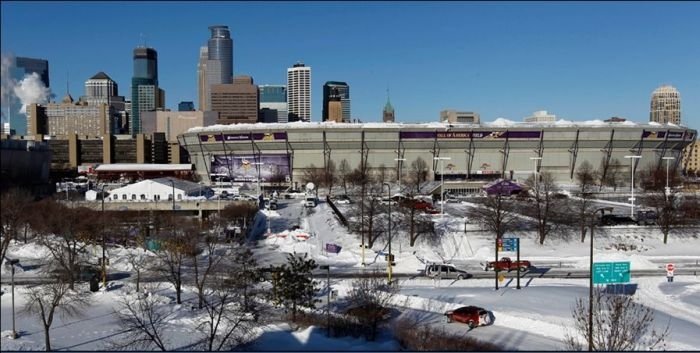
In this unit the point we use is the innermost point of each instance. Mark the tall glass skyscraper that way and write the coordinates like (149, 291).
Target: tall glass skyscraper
(220, 48)
(343, 90)
(17, 71)
(144, 86)
(215, 64)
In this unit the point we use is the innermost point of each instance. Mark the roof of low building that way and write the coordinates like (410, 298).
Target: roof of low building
(133, 167)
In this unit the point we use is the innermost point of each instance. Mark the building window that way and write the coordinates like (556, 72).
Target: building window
(170, 197)
(115, 197)
(123, 196)
(143, 197)
(179, 196)
(133, 196)
(156, 197)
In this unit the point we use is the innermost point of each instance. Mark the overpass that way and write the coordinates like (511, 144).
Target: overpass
(198, 207)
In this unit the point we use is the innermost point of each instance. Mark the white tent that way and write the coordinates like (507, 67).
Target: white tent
(159, 189)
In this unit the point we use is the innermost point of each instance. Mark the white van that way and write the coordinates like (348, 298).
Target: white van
(310, 201)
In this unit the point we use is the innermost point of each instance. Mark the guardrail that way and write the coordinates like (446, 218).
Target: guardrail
(340, 216)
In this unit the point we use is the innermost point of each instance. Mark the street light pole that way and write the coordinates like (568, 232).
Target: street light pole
(632, 158)
(389, 260)
(442, 184)
(13, 262)
(104, 264)
(328, 301)
(667, 191)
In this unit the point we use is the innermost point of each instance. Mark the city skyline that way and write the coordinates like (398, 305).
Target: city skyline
(580, 61)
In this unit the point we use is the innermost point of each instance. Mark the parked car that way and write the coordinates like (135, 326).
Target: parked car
(471, 315)
(505, 263)
(273, 204)
(445, 271)
(310, 201)
(342, 199)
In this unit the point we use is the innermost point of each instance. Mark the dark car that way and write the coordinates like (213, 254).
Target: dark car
(471, 315)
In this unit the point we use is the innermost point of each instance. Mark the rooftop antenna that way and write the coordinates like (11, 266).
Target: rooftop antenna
(67, 82)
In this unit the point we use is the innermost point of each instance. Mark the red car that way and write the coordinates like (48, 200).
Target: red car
(471, 315)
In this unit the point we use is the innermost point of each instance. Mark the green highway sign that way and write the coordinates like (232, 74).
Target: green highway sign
(611, 272)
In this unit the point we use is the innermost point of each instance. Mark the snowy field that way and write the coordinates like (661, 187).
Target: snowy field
(535, 317)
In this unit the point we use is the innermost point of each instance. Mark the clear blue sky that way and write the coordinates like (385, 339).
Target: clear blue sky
(578, 60)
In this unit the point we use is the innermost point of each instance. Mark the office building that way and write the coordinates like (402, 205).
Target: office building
(101, 89)
(452, 116)
(175, 123)
(18, 69)
(273, 98)
(299, 92)
(185, 106)
(70, 117)
(334, 109)
(665, 105)
(237, 102)
(691, 158)
(342, 90)
(541, 116)
(145, 93)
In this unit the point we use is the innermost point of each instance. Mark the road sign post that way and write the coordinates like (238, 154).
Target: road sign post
(669, 272)
(517, 244)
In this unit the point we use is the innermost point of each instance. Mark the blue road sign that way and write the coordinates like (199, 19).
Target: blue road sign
(510, 244)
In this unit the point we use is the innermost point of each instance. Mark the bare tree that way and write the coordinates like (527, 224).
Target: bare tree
(329, 176)
(669, 204)
(66, 232)
(418, 172)
(372, 298)
(582, 205)
(177, 247)
(545, 203)
(382, 175)
(56, 297)
(497, 216)
(228, 321)
(13, 218)
(613, 176)
(313, 174)
(619, 324)
(138, 261)
(244, 273)
(343, 173)
(207, 247)
(143, 319)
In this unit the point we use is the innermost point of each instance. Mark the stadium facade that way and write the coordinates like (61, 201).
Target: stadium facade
(246, 152)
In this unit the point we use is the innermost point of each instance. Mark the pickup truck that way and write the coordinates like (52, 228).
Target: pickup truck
(507, 264)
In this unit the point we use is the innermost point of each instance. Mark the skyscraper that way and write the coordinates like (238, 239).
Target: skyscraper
(101, 89)
(17, 71)
(274, 97)
(299, 92)
(215, 65)
(665, 105)
(145, 94)
(343, 91)
(202, 87)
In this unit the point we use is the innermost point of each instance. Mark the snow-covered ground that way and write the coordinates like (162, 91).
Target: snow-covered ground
(535, 317)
